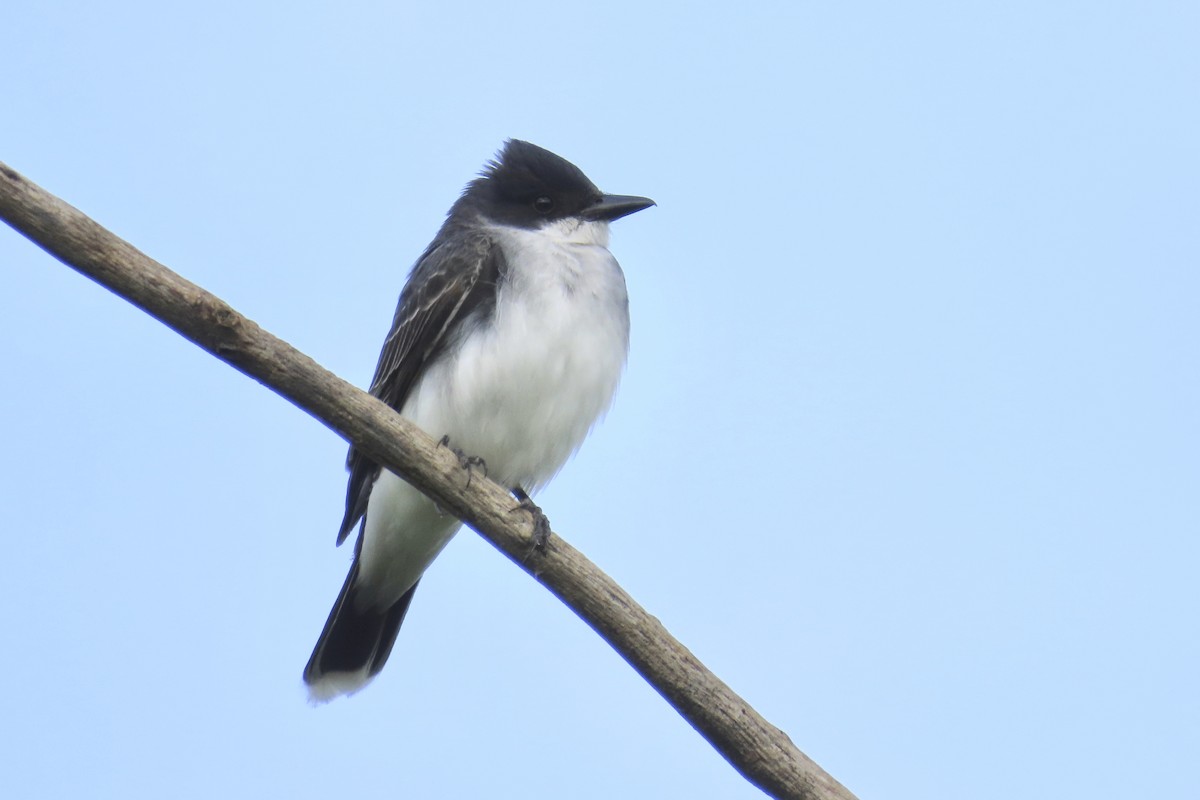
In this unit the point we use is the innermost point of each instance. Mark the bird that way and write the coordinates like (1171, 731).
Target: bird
(508, 342)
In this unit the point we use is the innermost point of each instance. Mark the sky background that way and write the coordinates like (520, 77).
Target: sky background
(907, 452)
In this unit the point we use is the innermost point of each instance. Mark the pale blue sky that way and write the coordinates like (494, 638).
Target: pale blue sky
(908, 450)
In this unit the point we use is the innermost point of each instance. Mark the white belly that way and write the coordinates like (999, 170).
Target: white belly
(520, 393)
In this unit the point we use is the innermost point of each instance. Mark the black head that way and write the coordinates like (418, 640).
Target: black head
(528, 186)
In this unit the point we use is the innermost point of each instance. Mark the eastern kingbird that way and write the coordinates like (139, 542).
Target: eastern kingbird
(508, 341)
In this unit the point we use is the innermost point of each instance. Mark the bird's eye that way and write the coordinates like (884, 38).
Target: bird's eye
(543, 204)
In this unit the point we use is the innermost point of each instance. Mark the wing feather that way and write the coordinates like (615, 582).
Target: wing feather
(453, 282)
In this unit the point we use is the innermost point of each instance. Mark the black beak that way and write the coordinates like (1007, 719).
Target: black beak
(614, 206)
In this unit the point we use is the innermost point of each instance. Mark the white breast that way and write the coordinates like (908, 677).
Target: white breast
(523, 392)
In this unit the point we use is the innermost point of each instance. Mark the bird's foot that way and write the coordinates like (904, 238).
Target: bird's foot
(468, 463)
(541, 525)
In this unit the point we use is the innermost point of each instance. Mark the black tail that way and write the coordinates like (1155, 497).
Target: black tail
(355, 643)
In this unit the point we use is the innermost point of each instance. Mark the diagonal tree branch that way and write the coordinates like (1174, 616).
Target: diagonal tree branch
(762, 753)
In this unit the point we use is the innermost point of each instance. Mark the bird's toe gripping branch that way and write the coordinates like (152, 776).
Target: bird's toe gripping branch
(541, 524)
(468, 463)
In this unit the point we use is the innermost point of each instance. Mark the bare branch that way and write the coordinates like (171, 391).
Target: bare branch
(757, 749)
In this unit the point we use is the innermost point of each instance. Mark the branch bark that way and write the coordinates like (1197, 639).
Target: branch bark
(762, 753)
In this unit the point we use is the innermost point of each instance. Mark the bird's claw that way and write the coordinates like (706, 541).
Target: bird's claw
(468, 463)
(541, 524)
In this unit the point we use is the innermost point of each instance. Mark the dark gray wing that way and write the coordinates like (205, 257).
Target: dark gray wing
(455, 279)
